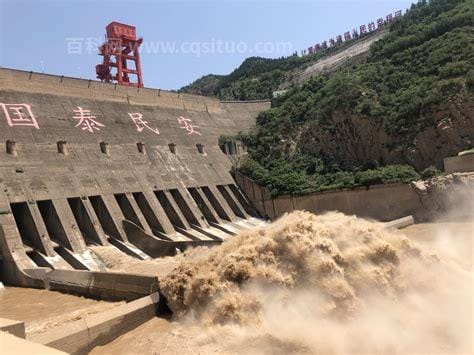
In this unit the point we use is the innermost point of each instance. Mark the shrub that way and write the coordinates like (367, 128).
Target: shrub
(399, 173)
(430, 172)
(470, 80)
(369, 177)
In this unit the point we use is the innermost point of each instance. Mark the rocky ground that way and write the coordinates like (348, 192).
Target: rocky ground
(450, 197)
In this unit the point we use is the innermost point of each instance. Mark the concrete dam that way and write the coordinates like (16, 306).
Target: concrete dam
(114, 194)
(88, 163)
(120, 219)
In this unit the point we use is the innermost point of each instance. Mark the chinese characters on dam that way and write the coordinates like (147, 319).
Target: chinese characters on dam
(141, 124)
(19, 115)
(187, 125)
(22, 115)
(86, 120)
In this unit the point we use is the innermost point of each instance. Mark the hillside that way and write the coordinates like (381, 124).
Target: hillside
(205, 85)
(257, 78)
(403, 110)
(349, 55)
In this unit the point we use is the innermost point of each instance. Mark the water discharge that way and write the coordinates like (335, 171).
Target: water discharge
(328, 284)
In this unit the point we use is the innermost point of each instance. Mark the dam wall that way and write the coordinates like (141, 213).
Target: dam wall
(90, 163)
(381, 202)
(460, 163)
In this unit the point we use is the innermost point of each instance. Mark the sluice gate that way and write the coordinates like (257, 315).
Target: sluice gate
(95, 164)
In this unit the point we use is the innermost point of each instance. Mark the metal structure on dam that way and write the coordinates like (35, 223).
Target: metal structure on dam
(90, 163)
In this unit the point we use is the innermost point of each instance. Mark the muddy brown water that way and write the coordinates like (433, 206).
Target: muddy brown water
(450, 239)
(43, 309)
(369, 332)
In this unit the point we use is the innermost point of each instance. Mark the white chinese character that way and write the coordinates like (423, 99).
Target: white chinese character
(186, 123)
(86, 120)
(141, 124)
(74, 45)
(19, 115)
(92, 44)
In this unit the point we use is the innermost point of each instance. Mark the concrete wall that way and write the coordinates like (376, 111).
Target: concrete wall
(460, 164)
(17, 345)
(80, 158)
(380, 202)
(14, 327)
(99, 329)
(86, 169)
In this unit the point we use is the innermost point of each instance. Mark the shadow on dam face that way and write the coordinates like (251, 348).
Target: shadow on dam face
(147, 212)
(183, 206)
(53, 223)
(105, 219)
(127, 209)
(83, 221)
(202, 205)
(26, 226)
(230, 201)
(169, 209)
(243, 201)
(215, 203)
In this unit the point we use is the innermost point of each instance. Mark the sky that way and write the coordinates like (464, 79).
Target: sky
(183, 39)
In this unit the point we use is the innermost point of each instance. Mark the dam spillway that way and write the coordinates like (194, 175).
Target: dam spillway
(88, 163)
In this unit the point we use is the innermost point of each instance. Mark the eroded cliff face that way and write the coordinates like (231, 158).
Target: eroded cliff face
(450, 196)
(357, 140)
(349, 139)
(453, 133)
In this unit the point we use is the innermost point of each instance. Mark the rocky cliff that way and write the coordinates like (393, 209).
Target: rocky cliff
(358, 140)
(449, 196)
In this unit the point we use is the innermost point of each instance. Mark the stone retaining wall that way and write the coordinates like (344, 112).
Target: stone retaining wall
(101, 328)
(461, 163)
(380, 202)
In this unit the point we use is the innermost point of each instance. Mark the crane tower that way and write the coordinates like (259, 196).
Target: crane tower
(121, 56)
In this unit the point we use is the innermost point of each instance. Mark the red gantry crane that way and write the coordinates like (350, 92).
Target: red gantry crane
(119, 51)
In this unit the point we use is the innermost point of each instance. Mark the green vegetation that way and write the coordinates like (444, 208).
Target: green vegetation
(425, 61)
(282, 179)
(241, 136)
(430, 172)
(423, 64)
(207, 85)
(257, 78)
